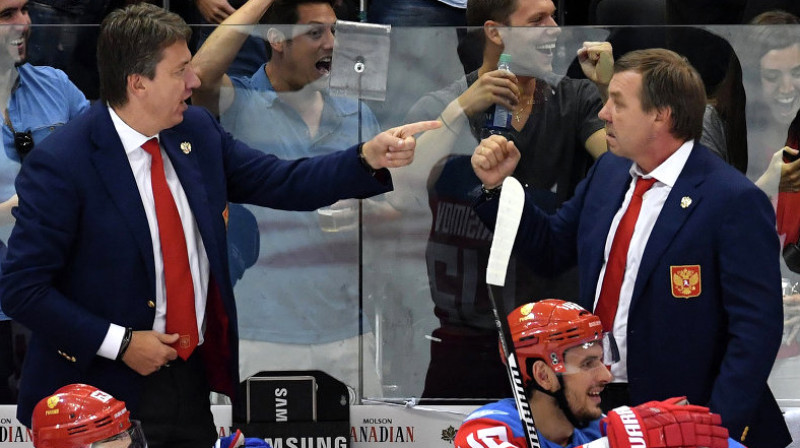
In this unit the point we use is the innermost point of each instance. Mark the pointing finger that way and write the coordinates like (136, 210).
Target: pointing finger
(420, 126)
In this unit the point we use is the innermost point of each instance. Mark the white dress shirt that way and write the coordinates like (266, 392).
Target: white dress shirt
(140, 162)
(653, 200)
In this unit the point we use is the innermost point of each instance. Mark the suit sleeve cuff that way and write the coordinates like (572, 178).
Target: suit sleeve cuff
(381, 175)
(112, 342)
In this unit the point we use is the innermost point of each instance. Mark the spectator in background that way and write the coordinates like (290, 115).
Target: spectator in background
(555, 122)
(36, 101)
(775, 78)
(776, 114)
(286, 324)
(252, 52)
(772, 77)
(785, 376)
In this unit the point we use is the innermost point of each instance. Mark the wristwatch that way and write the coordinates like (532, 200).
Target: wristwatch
(491, 193)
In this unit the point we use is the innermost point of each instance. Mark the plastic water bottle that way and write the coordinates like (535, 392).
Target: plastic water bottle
(498, 118)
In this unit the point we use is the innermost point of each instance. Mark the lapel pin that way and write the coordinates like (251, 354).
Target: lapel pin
(186, 147)
(686, 201)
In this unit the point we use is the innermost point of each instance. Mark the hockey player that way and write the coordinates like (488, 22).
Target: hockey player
(82, 416)
(559, 348)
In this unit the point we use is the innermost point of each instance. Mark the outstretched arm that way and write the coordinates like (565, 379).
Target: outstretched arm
(395, 148)
(219, 51)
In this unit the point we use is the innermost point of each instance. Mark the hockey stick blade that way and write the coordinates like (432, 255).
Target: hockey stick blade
(509, 213)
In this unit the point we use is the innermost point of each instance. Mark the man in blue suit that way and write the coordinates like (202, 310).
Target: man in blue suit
(698, 295)
(88, 269)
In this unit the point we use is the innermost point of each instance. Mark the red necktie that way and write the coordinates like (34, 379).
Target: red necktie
(606, 307)
(177, 274)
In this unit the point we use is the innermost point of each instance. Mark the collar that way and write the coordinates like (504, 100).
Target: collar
(18, 81)
(131, 138)
(261, 82)
(26, 67)
(667, 173)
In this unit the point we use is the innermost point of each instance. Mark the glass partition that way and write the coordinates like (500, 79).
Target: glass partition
(387, 294)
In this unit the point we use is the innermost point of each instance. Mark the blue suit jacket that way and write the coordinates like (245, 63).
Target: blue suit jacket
(717, 348)
(80, 256)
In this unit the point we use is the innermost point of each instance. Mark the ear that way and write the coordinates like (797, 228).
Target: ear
(545, 376)
(492, 31)
(662, 121)
(664, 114)
(276, 39)
(136, 85)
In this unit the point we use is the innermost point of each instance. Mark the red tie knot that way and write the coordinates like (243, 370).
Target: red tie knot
(152, 148)
(642, 185)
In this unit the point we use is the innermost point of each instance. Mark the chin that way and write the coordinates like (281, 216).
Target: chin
(590, 414)
(178, 119)
(320, 82)
(785, 120)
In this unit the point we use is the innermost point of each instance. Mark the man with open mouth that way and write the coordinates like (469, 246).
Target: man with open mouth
(285, 108)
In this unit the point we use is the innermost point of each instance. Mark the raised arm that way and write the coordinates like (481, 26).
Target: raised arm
(219, 51)
(597, 63)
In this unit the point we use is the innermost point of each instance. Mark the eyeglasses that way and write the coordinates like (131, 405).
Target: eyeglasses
(23, 142)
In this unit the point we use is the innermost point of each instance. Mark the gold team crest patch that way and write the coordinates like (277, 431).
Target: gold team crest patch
(686, 281)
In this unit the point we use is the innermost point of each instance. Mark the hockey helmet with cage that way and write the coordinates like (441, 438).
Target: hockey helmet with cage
(83, 416)
(546, 329)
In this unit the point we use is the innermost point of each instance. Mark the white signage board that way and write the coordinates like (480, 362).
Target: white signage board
(371, 426)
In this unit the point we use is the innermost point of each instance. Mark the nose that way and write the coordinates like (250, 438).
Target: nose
(603, 114)
(553, 29)
(786, 84)
(191, 79)
(606, 376)
(328, 39)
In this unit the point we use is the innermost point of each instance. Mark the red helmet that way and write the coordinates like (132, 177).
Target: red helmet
(78, 415)
(546, 329)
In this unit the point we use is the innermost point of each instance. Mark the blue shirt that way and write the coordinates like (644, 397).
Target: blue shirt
(303, 288)
(43, 100)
